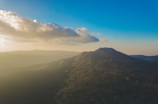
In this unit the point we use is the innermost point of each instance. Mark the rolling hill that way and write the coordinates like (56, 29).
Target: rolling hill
(104, 76)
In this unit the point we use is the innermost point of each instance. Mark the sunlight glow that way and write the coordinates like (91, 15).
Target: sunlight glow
(3, 41)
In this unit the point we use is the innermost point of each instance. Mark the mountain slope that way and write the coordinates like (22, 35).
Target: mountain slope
(146, 58)
(107, 76)
(104, 76)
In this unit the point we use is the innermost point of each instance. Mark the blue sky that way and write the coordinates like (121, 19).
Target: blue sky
(121, 21)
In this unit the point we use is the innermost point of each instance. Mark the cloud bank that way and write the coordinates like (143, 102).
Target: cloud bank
(26, 30)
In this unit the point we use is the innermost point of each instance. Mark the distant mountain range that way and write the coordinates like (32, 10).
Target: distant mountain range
(104, 76)
(146, 58)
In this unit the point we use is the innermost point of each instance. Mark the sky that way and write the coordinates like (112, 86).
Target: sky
(129, 26)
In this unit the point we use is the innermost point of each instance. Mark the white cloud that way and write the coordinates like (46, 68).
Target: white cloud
(93, 34)
(82, 31)
(27, 30)
(104, 39)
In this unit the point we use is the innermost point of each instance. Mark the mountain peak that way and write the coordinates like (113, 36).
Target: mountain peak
(105, 49)
(103, 54)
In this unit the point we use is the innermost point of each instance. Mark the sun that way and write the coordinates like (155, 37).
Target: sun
(2, 41)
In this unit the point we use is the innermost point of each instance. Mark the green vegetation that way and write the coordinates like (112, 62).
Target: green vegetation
(104, 76)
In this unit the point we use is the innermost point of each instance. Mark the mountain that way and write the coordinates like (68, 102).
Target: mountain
(146, 58)
(104, 76)
(9, 61)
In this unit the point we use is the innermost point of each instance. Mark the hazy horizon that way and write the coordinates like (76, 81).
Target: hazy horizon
(67, 51)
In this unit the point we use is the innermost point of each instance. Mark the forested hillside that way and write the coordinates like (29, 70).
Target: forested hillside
(104, 76)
